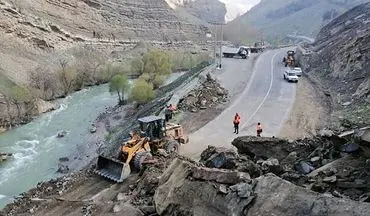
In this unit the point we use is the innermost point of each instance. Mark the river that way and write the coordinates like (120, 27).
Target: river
(35, 146)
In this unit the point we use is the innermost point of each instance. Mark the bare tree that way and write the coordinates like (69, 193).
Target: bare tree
(67, 76)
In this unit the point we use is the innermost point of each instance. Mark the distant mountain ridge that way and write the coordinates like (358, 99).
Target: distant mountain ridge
(274, 19)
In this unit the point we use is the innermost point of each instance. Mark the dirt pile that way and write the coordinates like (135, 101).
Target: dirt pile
(208, 95)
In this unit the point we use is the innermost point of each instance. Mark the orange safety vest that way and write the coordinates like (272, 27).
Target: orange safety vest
(259, 127)
(236, 120)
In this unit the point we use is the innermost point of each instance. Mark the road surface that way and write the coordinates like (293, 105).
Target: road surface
(266, 98)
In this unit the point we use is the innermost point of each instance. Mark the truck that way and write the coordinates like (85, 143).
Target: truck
(231, 52)
(289, 59)
(258, 47)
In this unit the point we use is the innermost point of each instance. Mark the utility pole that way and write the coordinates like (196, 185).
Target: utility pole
(214, 42)
(222, 39)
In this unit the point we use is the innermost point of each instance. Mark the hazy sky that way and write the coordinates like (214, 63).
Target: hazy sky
(236, 7)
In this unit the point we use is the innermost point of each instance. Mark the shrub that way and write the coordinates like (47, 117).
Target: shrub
(119, 84)
(142, 92)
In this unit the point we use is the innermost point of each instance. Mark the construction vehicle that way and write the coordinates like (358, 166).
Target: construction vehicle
(289, 60)
(231, 52)
(258, 47)
(155, 134)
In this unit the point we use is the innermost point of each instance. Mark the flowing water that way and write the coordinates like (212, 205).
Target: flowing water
(35, 146)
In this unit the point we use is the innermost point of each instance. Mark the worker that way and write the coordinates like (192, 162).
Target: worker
(167, 113)
(259, 129)
(171, 108)
(236, 122)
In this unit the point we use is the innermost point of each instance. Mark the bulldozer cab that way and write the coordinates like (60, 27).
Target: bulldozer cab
(290, 53)
(152, 127)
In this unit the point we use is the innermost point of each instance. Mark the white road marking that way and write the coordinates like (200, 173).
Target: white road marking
(267, 94)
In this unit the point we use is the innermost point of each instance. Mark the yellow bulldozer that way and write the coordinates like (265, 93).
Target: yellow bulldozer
(154, 134)
(289, 60)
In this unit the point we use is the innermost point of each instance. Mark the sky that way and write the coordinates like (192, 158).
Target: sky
(236, 7)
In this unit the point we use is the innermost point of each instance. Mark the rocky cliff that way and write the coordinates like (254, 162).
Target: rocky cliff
(274, 19)
(339, 59)
(212, 11)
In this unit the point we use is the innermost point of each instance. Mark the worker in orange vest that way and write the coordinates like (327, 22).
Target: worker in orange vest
(259, 129)
(236, 122)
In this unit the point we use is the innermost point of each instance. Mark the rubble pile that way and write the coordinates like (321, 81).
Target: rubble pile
(208, 95)
(28, 202)
(323, 164)
(265, 176)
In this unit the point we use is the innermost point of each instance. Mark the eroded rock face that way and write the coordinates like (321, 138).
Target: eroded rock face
(177, 194)
(276, 196)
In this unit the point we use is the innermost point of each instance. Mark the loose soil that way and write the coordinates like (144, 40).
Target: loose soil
(308, 113)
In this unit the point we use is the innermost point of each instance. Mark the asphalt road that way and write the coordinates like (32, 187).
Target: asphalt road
(264, 96)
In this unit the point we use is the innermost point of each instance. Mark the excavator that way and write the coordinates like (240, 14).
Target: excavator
(155, 134)
(289, 59)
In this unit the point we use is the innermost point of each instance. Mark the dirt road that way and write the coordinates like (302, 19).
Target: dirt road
(266, 97)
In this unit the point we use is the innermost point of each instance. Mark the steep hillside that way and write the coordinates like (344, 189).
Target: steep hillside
(212, 11)
(340, 60)
(274, 19)
(38, 37)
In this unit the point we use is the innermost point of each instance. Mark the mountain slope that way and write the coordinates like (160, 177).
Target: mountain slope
(274, 19)
(340, 60)
(38, 36)
(212, 11)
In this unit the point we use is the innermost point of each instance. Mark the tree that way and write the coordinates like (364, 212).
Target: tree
(119, 84)
(20, 95)
(155, 63)
(67, 76)
(43, 82)
(142, 92)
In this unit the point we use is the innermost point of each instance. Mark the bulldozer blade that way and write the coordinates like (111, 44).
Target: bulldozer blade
(112, 169)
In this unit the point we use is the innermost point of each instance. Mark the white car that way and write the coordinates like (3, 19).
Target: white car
(298, 71)
(290, 76)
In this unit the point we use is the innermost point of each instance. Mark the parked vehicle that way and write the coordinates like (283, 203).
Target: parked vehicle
(290, 76)
(297, 71)
(231, 52)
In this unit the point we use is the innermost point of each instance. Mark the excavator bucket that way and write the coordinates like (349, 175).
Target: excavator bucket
(112, 169)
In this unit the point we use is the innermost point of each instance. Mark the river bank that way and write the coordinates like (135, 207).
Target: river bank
(39, 154)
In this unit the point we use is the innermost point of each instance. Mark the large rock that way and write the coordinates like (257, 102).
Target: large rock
(219, 175)
(276, 196)
(262, 147)
(214, 157)
(127, 210)
(178, 195)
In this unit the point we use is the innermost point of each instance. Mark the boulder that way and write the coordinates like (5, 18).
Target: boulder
(220, 157)
(93, 129)
(262, 147)
(177, 194)
(127, 210)
(219, 175)
(304, 167)
(61, 134)
(276, 196)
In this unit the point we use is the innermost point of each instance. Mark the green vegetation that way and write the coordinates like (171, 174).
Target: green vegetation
(20, 95)
(153, 67)
(119, 84)
(142, 92)
(186, 61)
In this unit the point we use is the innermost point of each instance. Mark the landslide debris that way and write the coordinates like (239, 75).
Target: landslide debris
(250, 181)
(208, 95)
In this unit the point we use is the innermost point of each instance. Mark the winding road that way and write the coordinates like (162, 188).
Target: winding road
(266, 97)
